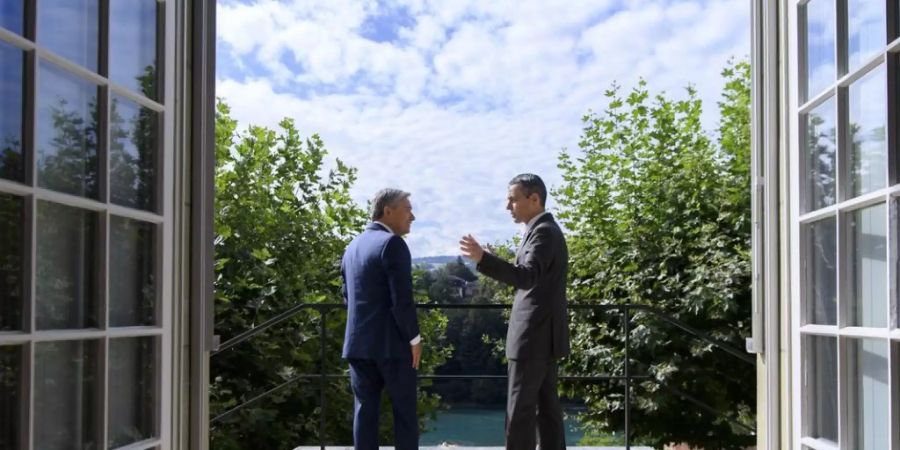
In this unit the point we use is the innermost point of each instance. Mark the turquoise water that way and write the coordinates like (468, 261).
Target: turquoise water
(473, 426)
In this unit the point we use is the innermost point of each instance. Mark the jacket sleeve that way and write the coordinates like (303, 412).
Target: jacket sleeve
(535, 264)
(397, 263)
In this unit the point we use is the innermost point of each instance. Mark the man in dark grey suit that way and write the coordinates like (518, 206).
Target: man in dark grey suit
(538, 333)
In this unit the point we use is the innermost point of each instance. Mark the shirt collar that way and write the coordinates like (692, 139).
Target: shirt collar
(385, 226)
(535, 219)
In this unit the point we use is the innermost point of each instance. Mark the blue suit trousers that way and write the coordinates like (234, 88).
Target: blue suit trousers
(367, 379)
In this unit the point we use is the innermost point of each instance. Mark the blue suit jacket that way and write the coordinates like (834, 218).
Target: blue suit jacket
(381, 315)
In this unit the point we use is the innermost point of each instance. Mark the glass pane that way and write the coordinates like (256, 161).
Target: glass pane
(867, 29)
(820, 150)
(10, 396)
(66, 395)
(11, 88)
(869, 395)
(12, 285)
(820, 290)
(869, 267)
(820, 387)
(12, 15)
(132, 44)
(133, 399)
(132, 273)
(821, 27)
(66, 279)
(867, 132)
(70, 28)
(132, 154)
(67, 132)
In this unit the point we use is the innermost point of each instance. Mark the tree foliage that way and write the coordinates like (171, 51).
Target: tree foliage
(471, 335)
(281, 227)
(658, 214)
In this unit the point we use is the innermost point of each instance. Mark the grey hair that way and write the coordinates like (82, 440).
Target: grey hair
(384, 198)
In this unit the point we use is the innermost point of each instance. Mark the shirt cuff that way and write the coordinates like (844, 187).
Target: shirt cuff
(416, 340)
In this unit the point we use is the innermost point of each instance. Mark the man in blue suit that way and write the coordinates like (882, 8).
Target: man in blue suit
(381, 341)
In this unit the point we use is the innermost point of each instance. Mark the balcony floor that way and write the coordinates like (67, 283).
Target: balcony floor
(633, 447)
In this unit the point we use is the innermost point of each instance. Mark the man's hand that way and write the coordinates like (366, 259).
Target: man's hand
(417, 355)
(471, 248)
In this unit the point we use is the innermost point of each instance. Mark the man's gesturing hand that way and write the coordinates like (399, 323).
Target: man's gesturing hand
(471, 248)
(417, 355)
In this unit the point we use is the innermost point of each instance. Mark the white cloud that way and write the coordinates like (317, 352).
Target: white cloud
(468, 93)
(426, 35)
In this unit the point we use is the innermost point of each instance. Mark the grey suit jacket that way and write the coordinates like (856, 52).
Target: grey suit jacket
(539, 322)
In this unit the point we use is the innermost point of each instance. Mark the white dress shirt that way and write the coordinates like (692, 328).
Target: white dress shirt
(533, 220)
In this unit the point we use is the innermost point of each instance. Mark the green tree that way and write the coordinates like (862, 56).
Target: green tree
(12, 235)
(69, 161)
(133, 133)
(11, 161)
(470, 335)
(281, 227)
(658, 214)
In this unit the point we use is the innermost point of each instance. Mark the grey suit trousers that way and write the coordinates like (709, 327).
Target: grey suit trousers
(532, 397)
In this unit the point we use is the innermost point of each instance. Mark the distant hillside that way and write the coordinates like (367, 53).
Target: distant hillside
(433, 262)
(444, 259)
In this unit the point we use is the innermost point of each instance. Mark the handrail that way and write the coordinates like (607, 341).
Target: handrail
(281, 317)
(344, 376)
(324, 308)
(249, 333)
(702, 405)
(698, 334)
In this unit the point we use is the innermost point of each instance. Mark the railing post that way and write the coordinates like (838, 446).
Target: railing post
(627, 316)
(322, 312)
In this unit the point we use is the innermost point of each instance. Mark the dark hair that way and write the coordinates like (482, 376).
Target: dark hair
(531, 184)
(384, 198)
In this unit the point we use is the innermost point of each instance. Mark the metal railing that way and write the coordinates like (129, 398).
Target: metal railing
(626, 310)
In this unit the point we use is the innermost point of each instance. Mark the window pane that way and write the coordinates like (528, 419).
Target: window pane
(132, 44)
(12, 236)
(820, 290)
(66, 394)
(12, 15)
(820, 150)
(11, 88)
(132, 273)
(869, 396)
(820, 46)
(820, 387)
(10, 396)
(66, 267)
(867, 28)
(133, 399)
(869, 267)
(867, 132)
(67, 132)
(70, 28)
(132, 154)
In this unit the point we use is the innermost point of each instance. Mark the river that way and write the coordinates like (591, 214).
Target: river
(478, 426)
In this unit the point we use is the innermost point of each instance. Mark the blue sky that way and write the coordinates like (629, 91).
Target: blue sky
(449, 100)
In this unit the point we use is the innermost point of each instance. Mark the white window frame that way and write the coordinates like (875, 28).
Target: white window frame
(890, 196)
(165, 268)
